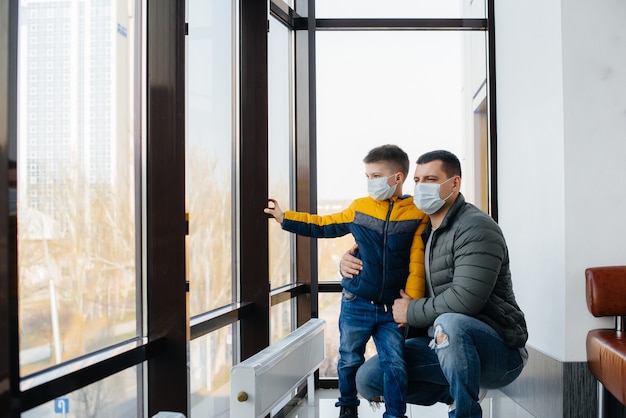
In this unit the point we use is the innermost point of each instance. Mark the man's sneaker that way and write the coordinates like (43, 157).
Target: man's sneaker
(348, 412)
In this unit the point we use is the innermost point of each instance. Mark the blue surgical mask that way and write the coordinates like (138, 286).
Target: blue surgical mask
(427, 197)
(378, 188)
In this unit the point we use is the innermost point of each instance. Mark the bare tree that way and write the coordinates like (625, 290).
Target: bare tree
(85, 247)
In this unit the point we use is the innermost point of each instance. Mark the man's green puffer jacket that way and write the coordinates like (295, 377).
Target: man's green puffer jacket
(469, 268)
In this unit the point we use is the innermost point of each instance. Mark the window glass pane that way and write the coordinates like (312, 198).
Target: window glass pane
(281, 320)
(280, 150)
(400, 9)
(115, 396)
(76, 206)
(476, 163)
(329, 307)
(209, 153)
(413, 89)
(211, 358)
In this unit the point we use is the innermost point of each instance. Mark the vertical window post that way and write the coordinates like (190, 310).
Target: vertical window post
(168, 381)
(306, 162)
(9, 346)
(253, 155)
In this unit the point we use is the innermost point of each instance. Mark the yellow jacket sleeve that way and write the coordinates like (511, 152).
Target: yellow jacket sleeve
(416, 282)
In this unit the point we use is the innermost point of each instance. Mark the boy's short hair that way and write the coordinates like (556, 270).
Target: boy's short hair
(392, 154)
(450, 164)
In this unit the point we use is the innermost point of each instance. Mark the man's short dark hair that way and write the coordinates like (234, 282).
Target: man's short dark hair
(450, 164)
(392, 154)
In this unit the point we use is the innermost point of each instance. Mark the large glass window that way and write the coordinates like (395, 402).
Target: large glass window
(415, 89)
(79, 259)
(209, 159)
(76, 171)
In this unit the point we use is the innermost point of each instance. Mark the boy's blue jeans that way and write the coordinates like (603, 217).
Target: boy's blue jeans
(359, 319)
(472, 355)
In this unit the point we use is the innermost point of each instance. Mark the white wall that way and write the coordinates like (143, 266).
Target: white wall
(594, 57)
(561, 85)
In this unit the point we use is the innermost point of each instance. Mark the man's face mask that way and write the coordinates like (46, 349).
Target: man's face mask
(379, 189)
(427, 198)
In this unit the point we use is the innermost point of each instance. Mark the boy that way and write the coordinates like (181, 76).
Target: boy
(387, 227)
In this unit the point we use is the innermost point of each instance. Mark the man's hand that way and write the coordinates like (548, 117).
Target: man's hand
(275, 211)
(350, 266)
(400, 308)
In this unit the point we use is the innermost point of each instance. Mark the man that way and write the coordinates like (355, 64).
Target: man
(476, 332)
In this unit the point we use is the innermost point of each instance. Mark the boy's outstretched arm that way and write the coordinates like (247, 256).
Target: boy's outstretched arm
(275, 210)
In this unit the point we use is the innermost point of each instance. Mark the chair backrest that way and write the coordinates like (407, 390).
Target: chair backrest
(606, 290)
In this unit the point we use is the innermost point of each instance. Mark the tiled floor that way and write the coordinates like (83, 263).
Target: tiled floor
(495, 405)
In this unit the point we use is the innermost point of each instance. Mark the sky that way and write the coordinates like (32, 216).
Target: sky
(376, 88)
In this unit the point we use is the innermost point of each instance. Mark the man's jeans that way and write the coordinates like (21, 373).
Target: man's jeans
(470, 355)
(359, 319)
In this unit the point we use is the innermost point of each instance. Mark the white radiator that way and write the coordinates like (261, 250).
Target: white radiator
(260, 382)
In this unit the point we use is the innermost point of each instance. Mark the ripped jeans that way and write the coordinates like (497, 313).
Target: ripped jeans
(470, 355)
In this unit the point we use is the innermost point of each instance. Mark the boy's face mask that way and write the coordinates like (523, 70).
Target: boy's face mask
(379, 189)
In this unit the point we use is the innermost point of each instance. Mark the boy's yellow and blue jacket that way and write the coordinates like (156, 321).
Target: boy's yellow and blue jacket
(388, 233)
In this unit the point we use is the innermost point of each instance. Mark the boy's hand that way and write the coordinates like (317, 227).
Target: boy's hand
(350, 266)
(275, 211)
(400, 308)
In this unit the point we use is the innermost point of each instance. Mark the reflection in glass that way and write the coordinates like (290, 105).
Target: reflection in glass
(209, 153)
(280, 150)
(115, 396)
(76, 207)
(211, 358)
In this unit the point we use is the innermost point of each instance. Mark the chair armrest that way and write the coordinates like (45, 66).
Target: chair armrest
(606, 290)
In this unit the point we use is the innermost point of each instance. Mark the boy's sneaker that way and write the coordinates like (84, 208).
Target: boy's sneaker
(348, 412)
